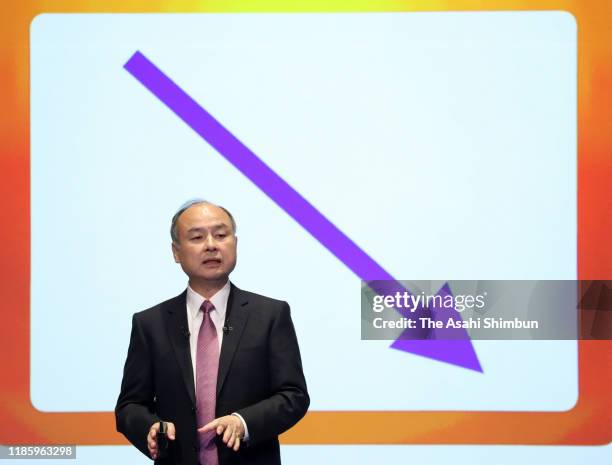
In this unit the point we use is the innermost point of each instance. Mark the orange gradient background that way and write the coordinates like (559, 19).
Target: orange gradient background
(588, 423)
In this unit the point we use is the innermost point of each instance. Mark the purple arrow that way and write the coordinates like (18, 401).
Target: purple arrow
(459, 353)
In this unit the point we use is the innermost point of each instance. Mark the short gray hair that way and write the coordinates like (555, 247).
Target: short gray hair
(191, 203)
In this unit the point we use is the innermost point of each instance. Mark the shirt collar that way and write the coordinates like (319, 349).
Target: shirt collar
(219, 300)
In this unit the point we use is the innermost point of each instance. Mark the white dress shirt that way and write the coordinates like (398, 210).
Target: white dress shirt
(194, 320)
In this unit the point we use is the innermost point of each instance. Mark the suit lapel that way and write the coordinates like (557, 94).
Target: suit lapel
(175, 314)
(236, 318)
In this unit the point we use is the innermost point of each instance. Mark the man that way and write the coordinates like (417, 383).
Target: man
(220, 366)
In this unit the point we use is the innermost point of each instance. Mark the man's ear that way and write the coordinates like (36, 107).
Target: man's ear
(175, 253)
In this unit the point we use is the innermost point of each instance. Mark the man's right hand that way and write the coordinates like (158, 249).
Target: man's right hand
(152, 437)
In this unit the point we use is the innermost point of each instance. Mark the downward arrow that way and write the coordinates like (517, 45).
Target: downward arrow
(456, 352)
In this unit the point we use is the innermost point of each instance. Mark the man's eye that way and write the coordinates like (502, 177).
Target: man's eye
(196, 237)
(221, 236)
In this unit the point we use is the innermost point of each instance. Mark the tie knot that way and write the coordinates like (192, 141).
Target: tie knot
(207, 306)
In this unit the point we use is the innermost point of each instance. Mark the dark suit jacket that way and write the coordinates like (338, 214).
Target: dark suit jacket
(260, 377)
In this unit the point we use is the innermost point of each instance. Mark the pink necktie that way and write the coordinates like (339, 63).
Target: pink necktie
(207, 366)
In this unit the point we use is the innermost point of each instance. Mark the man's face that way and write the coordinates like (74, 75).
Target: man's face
(207, 244)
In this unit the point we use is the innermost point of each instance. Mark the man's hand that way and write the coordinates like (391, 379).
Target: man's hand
(231, 428)
(152, 437)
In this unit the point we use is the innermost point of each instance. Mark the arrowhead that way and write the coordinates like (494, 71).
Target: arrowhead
(445, 345)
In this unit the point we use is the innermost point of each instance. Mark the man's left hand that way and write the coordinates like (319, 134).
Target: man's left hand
(230, 427)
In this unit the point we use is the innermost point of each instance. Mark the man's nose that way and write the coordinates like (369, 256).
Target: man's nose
(210, 243)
